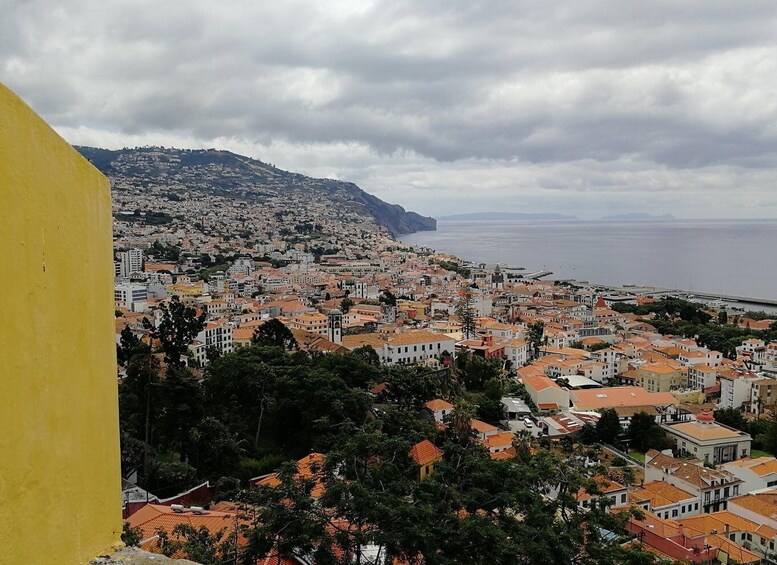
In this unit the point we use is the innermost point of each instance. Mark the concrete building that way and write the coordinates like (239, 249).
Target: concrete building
(415, 347)
(735, 388)
(665, 500)
(134, 296)
(546, 393)
(661, 377)
(709, 441)
(217, 335)
(130, 261)
(712, 487)
(763, 395)
(756, 473)
(517, 352)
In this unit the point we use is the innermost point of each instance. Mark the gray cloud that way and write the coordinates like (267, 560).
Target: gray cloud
(566, 105)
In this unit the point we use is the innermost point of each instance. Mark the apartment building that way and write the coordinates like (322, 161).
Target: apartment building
(709, 441)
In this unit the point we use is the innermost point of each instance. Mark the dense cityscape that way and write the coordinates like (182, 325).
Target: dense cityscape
(295, 384)
(388, 283)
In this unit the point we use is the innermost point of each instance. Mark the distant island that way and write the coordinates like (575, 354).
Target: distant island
(504, 216)
(639, 216)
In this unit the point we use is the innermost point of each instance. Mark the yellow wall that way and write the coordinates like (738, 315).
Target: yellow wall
(60, 489)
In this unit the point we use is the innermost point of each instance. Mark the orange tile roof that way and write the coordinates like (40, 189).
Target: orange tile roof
(764, 504)
(425, 452)
(499, 440)
(508, 453)
(660, 494)
(539, 382)
(242, 334)
(604, 484)
(439, 404)
(309, 467)
(593, 399)
(153, 517)
(481, 427)
(705, 432)
(416, 337)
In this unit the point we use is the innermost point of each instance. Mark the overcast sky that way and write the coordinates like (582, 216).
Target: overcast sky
(583, 107)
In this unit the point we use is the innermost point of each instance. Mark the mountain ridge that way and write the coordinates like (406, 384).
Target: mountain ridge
(229, 174)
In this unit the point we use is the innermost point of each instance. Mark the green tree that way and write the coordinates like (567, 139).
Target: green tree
(312, 407)
(213, 450)
(346, 304)
(588, 434)
(198, 544)
(769, 438)
(608, 428)
(240, 388)
(275, 333)
(177, 328)
(180, 407)
(129, 345)
(367, 354)
(412, 386)
(490, 406)
(131, 537)
(536, 332)
(465, 312)
(387, 297)
(731, 417)
(286, 521)
(476, 370)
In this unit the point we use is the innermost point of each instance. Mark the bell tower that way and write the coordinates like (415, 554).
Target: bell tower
(335, 326)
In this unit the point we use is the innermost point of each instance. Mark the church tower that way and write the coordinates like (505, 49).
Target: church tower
(497, 279)
(335, 326)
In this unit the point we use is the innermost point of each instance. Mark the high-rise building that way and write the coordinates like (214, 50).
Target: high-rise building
(130, 261)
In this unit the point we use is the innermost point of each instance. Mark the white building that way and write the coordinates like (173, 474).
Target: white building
(416, 347)
(134, 296)
(666, 500)
(218, 336)
(708, 441)
(130, 261)
(756, 473)
(712, 487)
(735, 389)
(517, 352)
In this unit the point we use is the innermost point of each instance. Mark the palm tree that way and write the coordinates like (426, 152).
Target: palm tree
(522, 442)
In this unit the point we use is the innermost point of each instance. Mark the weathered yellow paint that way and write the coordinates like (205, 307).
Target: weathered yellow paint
(60, 489)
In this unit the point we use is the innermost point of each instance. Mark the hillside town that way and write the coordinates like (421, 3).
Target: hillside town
(567, 357)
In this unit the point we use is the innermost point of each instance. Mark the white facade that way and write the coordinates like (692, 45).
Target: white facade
(734, 391)
(517, 352)
(130, 262)
(134, 296)
(415, 347)
(218, 336)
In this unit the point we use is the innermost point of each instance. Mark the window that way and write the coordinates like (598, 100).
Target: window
(623, 498)
(674, 513)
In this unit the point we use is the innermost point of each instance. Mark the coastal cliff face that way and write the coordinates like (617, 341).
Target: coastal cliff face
(227, 174)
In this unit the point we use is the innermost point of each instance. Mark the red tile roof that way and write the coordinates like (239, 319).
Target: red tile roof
(425, 452)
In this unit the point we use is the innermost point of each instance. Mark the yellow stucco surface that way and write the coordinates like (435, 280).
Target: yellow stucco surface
(59, 442)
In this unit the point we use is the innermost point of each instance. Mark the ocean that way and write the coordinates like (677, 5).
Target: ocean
(732, 257)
